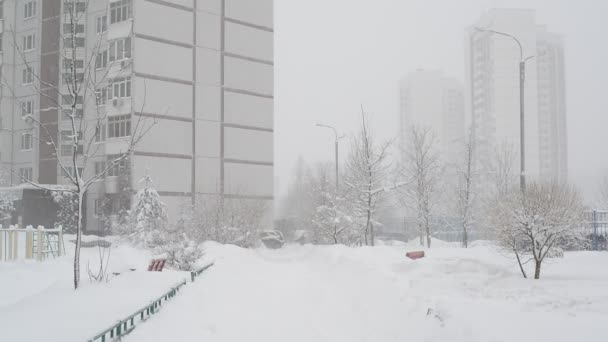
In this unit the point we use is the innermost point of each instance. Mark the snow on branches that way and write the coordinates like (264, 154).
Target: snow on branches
(538, 222)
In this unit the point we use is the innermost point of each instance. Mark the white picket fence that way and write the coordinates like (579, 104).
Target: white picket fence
(30, 243)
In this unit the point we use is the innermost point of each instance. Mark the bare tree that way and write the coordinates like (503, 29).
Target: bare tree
(87, 83)
(468, 176)
(367, 168)
(534, 223)
(423, 167)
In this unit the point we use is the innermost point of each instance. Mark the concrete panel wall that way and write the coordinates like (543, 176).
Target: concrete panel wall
(151, 62)
(149, 22)
(176, 178)
(249, 145)
(168, 137)
(248, 110)
(248, 41)
(164, 98)
(248, 180)
(258, 12)
(247, 75)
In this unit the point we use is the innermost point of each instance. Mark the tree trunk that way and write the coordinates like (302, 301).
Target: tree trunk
(78, 241)
(465, 237)
(521, 267)
(537, 269)
(428, 235)
(371, 233)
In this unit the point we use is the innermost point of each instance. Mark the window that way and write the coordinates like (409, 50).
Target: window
(67, 28)
(101, 24)
(120, 88)
(67, 112)
(25, 174)
(70, 170)
(27, 108)
(68, 78)
(120, 49)
(101, 96)
(67, 64)
(29, 10)
(101, 60)
(67, 143)
(119, 126)
(68, 99)
(29, 42)
(100, 166)
(27, 75)
(120, 11)
(26, 141)
(79, 7)
(69, 43)
(119, 169)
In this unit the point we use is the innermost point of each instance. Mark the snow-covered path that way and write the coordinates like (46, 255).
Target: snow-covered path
(306, 293)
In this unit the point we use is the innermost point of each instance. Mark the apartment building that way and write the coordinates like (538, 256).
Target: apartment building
(492, 91)
(430, 100)
(195, 75)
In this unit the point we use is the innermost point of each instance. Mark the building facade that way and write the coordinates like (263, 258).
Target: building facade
(428, 99)
(492, 91)
(193, 79)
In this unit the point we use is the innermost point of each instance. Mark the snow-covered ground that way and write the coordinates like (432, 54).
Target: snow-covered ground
(336, 293)
(38, 303)
(318, 293)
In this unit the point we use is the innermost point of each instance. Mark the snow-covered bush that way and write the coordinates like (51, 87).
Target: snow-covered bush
(67, 211)
(538, 222)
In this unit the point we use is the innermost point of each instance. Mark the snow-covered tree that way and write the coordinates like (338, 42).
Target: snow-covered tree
(366, 171)
(535, 223)
(467, 187)
(76, 148)
(331, 218)
(148, 216)
(423, 168)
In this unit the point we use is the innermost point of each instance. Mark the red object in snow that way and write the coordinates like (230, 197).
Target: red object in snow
(415, 255)
(157, 265)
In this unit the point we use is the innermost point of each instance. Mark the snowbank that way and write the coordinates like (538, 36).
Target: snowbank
(336, 293)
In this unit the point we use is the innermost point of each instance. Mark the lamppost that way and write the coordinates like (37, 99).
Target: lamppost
(522, 79)
(336, 148)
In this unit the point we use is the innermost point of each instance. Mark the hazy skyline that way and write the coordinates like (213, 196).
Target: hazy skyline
(333, 57)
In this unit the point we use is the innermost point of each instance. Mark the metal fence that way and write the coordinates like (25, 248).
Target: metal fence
(124, 326)
(596, 228)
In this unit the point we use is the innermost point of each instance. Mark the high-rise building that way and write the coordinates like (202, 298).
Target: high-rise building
(493, 93)
(198, 73)
(430, 100)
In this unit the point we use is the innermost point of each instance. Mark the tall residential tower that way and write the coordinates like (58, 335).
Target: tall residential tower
(200, 70)
(492, 91)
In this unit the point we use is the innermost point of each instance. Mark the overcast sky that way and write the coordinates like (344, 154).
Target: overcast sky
(334, 55)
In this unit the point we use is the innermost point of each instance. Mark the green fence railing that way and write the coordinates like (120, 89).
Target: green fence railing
(198, 272)
(126, 325)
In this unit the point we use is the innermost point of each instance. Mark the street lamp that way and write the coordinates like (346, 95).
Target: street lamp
(336, 148)
(522, 79)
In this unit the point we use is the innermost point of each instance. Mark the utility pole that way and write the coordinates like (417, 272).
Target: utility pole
(522, 80)
(335, 150)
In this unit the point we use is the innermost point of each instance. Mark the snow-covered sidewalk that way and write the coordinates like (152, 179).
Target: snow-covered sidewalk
(335, 293)
(38, 303)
